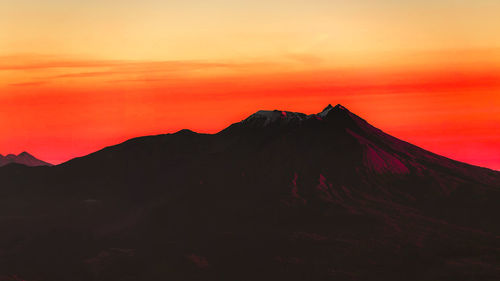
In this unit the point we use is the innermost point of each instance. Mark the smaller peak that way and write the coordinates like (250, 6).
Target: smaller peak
(325, 111)
(185, 132)
(339, 106)
(329, 108)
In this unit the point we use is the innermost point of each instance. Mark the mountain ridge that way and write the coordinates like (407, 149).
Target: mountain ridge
(278, 118)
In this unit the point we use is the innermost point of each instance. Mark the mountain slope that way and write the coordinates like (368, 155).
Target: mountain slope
(279, 195)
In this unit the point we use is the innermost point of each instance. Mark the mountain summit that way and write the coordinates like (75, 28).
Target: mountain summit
(23, 158)
(278, 196)
(264, 118)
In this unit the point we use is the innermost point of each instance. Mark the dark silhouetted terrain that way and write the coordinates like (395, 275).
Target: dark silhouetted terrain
(278, 196)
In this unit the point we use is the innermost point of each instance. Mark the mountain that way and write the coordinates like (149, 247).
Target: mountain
(278, 196)
(23, 158)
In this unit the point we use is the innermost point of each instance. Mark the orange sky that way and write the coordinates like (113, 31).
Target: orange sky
(75, 77)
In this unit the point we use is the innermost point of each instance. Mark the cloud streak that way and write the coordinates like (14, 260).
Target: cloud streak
(13, 63)
(28, 84)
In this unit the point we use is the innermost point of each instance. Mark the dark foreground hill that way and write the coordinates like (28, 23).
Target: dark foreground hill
(278, 196)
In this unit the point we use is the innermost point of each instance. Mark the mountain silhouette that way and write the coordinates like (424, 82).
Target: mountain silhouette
(23, 158)
(278, 196)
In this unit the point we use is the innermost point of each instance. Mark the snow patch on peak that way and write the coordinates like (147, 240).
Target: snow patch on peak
(267, 113)
(263, 118)
(266, 117)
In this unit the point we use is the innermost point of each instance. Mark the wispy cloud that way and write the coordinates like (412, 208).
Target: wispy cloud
(28, 84)
(49, 68)
(84, 74)
(277, 76)
(12, 63)
(7, 64)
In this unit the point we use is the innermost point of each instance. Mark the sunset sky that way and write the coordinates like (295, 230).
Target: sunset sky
(76, 76)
